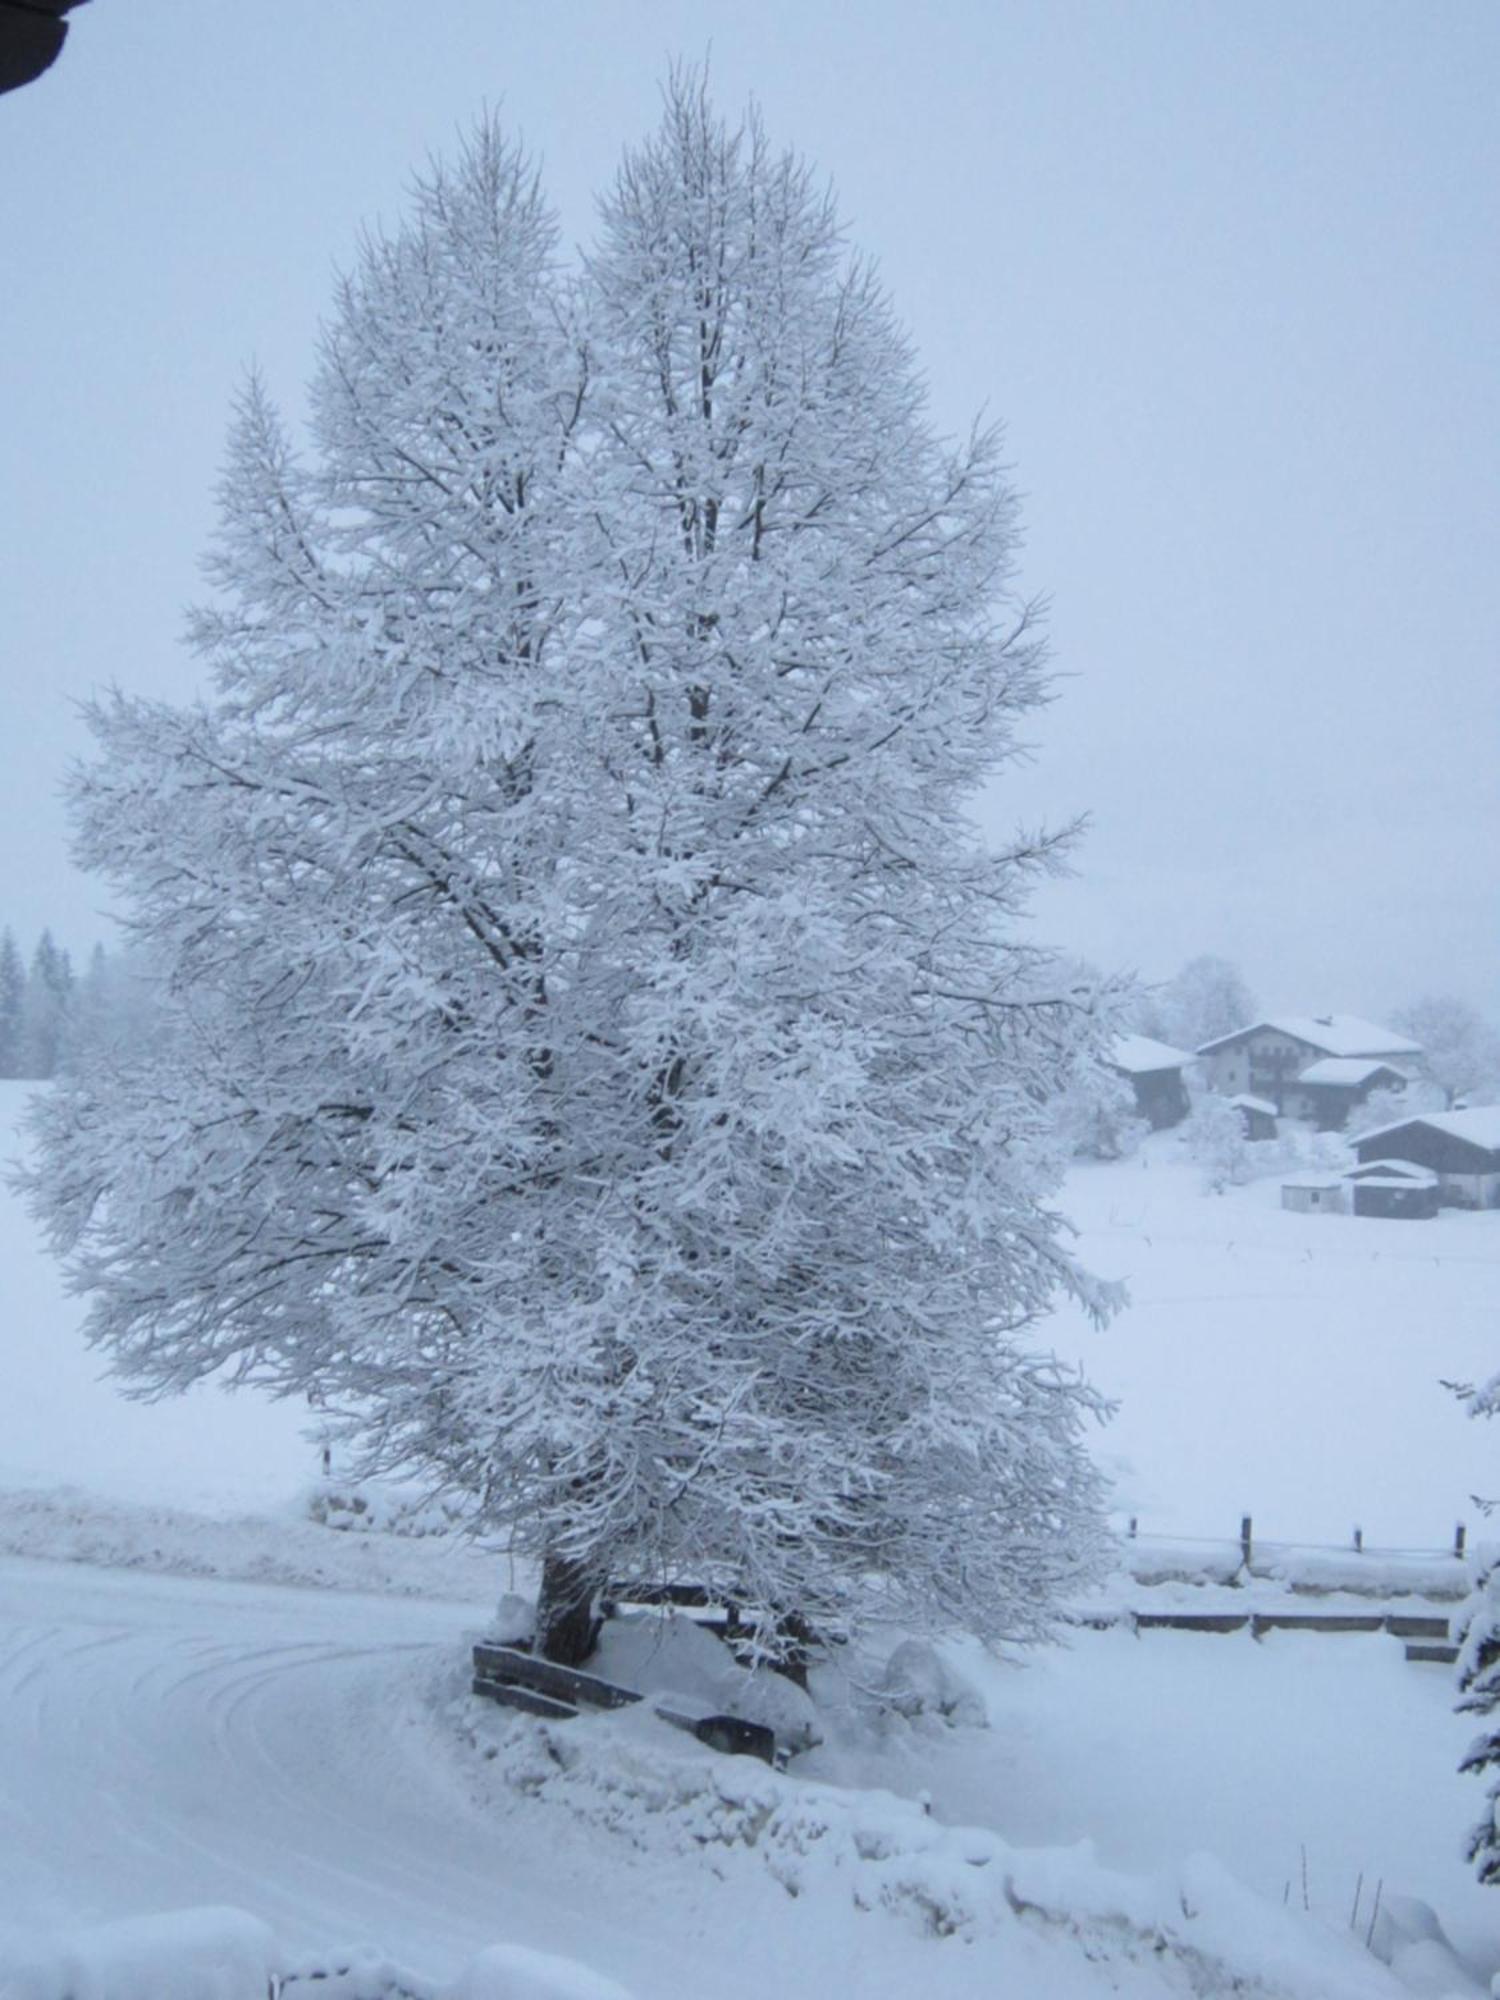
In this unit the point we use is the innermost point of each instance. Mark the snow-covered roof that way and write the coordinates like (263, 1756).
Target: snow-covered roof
(1391, 1173)
(1334, 1034)
(1245, 1102)
(1344, 1069)
(1137, 1055)
(1394, 1181)
(1314, 1178)
(1480, 1127)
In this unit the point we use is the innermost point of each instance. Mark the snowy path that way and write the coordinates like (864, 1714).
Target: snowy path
(167, 1743)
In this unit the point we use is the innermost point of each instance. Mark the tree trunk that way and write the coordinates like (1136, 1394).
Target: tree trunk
(566, 1627)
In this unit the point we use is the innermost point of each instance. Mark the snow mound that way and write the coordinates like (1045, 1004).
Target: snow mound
(213, 1954)
(919, 1681)
(1406, 1935)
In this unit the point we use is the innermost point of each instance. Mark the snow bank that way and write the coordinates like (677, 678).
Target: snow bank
(1372, 1573)
(880, 1857)
(190, 1955)
(377, 1507)
(224, 1954)
(1153, 1561)
(69, 1526)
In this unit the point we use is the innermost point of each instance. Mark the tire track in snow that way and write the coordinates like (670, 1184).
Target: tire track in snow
(251, 1745)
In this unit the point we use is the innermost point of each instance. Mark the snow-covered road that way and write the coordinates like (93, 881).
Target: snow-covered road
(166, 1743)
(171, 1742)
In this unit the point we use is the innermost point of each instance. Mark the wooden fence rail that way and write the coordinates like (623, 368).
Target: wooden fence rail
(1248, 1546)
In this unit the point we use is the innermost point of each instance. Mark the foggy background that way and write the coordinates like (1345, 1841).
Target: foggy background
(1228, 274)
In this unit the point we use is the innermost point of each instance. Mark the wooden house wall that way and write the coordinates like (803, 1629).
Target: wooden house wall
(1425, 1146)
(1160, 1096)
(1413, 1204)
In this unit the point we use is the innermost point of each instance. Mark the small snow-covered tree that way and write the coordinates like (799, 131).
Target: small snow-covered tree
(602, 1064)
(1460, 1048)
(1479, 1694)
(1478, 1635)
(1214, 1134)
(1095, 1114)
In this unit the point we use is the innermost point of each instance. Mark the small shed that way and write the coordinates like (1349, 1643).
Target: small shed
(1315, 1193)
(1154, 1070)
(1257, 1114)
(1393, 1188)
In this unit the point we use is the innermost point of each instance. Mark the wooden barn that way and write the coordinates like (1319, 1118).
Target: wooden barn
(1154, 1070)
(1268, 1058)
(1462, 1148)
(1393, 1188)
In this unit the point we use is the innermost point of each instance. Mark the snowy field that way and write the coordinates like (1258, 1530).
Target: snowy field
(1139, 1817)
(1286, 1366)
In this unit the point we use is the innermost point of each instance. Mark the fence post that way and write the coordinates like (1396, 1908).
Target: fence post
(1460, 1536)
(1245, 1542)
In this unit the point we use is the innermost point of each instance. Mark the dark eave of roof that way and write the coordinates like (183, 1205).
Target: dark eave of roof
(32, 33)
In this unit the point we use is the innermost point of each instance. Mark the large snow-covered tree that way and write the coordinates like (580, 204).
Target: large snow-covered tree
(1460, 1048)
(1205, 998)
(603, 1068)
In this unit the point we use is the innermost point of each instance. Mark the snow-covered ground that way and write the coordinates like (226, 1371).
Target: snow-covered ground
(1139, 1817)
(1286, 1366)
(313, 1759)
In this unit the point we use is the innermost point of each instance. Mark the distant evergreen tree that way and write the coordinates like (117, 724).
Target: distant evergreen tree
(89, 1023)
(12, 999)
(45, 1008)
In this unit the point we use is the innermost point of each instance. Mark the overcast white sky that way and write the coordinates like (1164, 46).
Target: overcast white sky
(1229, 272)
